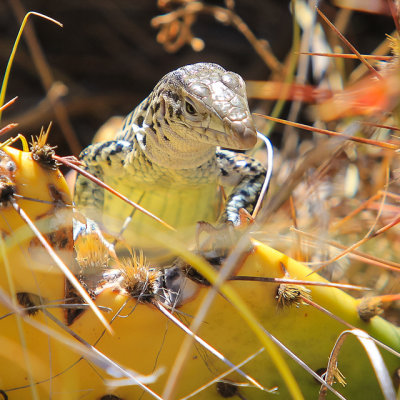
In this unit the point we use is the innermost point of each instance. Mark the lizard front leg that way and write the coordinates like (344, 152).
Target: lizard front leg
(246, 176)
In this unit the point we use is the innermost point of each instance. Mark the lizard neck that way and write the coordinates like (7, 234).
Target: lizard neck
(167, 147)
(164, 147)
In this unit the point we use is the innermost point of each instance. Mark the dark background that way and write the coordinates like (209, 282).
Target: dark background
(108, 58)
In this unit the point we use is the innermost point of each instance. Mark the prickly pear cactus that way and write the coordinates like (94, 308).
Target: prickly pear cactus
(38, 334)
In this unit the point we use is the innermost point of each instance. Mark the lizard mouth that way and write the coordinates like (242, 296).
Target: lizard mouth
(235, 136)
(245, 134)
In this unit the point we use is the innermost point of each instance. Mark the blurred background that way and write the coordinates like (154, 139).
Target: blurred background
(107, 57)
(110, 54)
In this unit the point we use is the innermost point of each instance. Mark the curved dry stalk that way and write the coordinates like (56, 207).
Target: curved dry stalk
(47, 79)
(14, 49)
(375, 357)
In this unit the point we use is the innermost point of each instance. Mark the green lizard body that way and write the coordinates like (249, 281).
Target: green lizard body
(166, 157)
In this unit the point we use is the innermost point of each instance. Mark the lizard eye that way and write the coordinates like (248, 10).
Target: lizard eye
(190, 109)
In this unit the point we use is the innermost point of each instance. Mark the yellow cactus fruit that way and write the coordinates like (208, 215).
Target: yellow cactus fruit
(41, 192)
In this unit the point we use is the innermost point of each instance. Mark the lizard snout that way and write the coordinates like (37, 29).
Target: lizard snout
(243, 132)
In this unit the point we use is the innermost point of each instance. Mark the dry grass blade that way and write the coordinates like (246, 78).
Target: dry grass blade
(350, 56)
(223, 375)
(377, 143)
(367, 237)
(7, 128)
(364, 257)
(86, 174)
(389, 127)
(297, 282)
(9, 103)
(203, 343)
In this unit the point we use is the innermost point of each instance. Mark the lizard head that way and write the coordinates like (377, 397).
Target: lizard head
(208, 104)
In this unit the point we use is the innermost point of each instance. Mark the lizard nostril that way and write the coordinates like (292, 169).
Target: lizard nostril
(237, 128)
(244, 134)
(249, 138)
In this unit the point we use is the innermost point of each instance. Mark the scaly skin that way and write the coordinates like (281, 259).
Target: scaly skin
(166, 158)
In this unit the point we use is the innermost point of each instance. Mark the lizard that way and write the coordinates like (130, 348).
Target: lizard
(167, 156)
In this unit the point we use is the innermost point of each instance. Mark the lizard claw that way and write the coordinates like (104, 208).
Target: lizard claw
(215, 248)
(219, 242)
